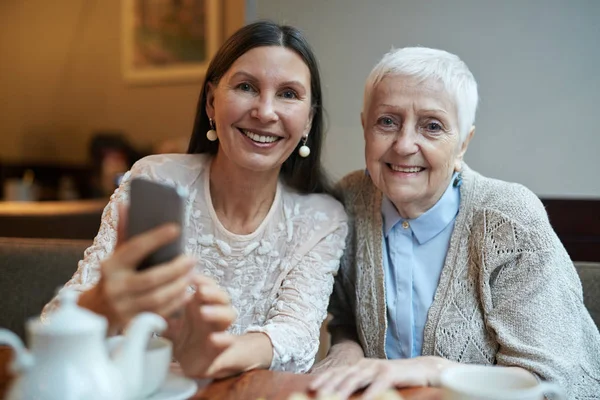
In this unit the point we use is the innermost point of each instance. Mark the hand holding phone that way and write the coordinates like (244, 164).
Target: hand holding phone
(154, 204)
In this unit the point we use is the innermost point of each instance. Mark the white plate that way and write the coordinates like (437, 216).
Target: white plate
(175, 387)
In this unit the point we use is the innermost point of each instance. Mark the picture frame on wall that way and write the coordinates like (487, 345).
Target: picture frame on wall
(169, 41)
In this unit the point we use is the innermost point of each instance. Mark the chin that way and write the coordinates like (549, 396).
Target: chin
(259, 164)
(403, 196)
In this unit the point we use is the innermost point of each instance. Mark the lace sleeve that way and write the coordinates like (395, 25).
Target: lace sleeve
(294, 320)
(88, 269)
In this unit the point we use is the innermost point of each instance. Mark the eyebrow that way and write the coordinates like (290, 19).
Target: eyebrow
(427, 110)
(253, 78)
(244, 74)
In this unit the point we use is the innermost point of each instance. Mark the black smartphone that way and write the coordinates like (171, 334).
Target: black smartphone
(153, 204)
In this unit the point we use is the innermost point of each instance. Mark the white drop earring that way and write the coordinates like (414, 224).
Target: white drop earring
(212, 133)
(304, 150)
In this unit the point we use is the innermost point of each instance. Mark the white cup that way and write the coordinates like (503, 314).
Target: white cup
(480, 382)
(157, 360)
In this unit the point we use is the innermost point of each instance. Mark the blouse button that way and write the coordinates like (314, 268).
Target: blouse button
(405, 224)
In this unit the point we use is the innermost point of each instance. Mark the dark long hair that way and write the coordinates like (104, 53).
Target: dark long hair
(306, 175)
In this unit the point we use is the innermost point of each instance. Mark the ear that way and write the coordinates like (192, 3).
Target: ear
(363, 123)
(463, 149)
(308, 126)
(210, 100)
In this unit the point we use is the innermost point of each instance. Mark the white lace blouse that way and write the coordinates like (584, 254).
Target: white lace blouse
(279, 277)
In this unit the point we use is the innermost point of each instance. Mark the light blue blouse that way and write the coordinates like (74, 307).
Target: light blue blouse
(413, 256)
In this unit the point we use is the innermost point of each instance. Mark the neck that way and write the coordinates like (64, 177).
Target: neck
(241, 198)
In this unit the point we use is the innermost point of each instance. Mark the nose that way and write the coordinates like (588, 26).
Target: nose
(406, 141)
(264, 109)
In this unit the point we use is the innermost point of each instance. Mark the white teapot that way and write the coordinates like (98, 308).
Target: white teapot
(69, 357)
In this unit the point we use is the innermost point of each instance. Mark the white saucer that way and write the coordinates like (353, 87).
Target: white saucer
(175, 387)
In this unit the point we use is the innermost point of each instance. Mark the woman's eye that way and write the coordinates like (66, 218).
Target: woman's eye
(433, 127)
(245, 87)
(386, 121)
(289, 94)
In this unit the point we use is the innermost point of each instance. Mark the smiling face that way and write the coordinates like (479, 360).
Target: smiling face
(412, 144)
(261, 107)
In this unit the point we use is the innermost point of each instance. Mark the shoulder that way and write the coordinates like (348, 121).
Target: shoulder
(353, 184)
(312, 206)
(511, 200)
(355, 189)
(180, 169)
(509, 219)
(313, 220)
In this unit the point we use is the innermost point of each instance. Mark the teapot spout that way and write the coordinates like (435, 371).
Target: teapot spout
(129, 357)
(23, 359)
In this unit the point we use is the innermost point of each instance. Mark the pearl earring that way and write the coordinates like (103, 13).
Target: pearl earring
(304, 150)
(212, 133)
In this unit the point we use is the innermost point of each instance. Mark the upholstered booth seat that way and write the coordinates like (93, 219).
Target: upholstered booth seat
(589, 273)
(31, 270)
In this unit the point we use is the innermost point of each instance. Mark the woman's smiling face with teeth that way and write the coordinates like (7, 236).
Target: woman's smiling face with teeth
(261, 107)
(411, 142)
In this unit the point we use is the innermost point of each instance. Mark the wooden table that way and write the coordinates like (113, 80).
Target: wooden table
(249, 386)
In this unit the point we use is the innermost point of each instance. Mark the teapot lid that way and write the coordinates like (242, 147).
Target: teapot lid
(69, 318)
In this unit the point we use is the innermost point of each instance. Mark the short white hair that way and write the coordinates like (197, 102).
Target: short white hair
(426, 64)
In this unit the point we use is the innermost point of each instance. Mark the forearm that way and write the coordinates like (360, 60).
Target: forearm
(344, 338)
(249, 351)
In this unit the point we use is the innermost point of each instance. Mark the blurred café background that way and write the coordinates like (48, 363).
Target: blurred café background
(73, 118)
(75, 115)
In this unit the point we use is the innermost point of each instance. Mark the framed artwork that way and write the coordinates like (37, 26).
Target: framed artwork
(166, 41)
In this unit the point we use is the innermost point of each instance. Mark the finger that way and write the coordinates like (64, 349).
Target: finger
(321, 379)
(334, 381)
(132, 252)
(221, 340)
(202, 280)
(380, 385)
(122, 218)
(160, 275)
(358, 379)
(212, 294)
(175, 304)
(217, 316)
(161, 297)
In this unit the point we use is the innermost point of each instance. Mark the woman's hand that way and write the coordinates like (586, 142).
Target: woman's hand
(237, 359)
(122, 292)
(343, 354)
(379, 375)
(199, 335)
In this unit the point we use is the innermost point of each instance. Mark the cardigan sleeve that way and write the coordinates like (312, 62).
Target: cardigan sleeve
(534, 305)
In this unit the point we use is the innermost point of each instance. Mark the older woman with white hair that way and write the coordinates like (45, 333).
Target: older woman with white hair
(444, 265)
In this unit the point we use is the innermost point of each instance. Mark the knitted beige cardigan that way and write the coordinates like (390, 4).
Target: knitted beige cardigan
(508, 293)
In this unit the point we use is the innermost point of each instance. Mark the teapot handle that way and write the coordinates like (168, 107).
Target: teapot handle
(23, 359)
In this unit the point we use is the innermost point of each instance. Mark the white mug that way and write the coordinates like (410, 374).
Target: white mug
(481, 382)
(157, 360)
